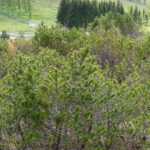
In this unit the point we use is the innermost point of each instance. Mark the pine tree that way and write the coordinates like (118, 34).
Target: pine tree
(131, 10)
(121, 9)
(135, 14)
(62, 11)
(72, 14)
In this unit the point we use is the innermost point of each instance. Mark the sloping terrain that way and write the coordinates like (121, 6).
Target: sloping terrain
(42, 10)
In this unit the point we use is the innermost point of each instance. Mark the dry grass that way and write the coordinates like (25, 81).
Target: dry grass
(12, 47)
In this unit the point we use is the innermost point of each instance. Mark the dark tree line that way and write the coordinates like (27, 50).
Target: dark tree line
(79, 13)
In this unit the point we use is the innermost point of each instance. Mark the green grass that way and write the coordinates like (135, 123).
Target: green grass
(45, 10)
(42, 10)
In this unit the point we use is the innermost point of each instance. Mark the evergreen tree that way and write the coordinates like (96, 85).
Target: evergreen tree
(131, 10)
(135, 14)
(62, 11)
(72, 14)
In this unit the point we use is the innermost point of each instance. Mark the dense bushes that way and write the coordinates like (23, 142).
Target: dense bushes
(75, 91)
(125, 23)
(59, 39)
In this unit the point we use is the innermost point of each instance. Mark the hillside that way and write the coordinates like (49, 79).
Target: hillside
(82, 85)
(41, 10)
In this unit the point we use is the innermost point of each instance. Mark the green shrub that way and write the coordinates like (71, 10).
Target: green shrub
(125, 23)
(59, 39)
(4, 35)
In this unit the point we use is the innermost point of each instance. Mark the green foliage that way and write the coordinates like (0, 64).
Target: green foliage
(59, 39)
(76, 91)
(4, 35)
(3, 45)
(126, 23)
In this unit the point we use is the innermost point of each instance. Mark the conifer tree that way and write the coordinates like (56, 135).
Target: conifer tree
(131, 10)
(62, 11)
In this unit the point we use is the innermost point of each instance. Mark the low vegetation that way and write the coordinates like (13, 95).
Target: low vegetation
(77, 88)
(66, 90)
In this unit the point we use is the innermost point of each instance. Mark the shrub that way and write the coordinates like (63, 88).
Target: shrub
(4, 35)
(60, 39)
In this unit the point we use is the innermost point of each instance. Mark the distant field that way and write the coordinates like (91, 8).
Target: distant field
(42, 10)
(12, 25)
(45, 10)
(128, 4)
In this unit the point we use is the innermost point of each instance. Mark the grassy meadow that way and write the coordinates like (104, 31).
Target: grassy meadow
(42, 10)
